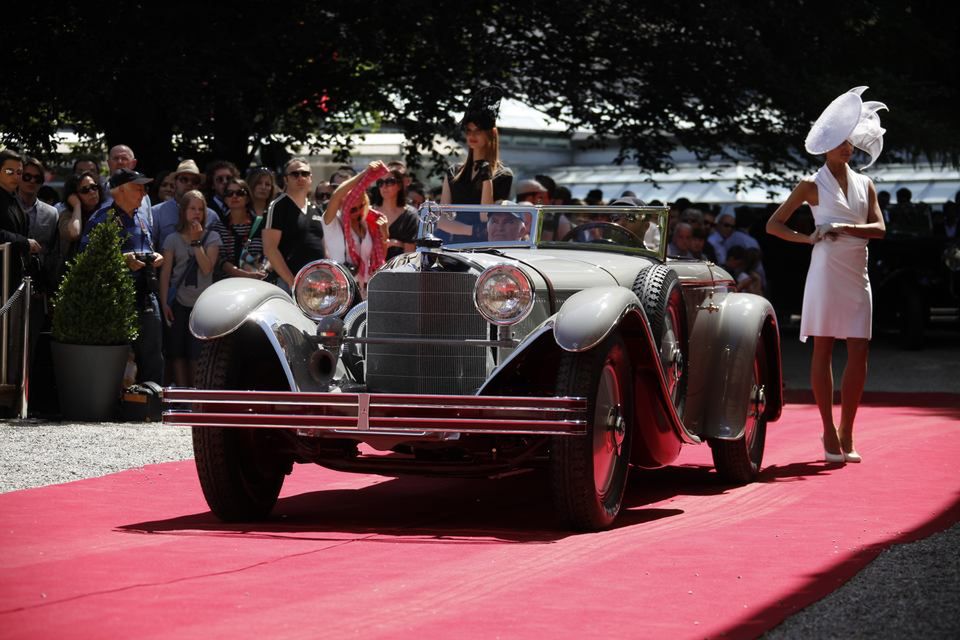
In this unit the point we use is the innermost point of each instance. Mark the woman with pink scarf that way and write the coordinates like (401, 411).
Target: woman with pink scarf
(354, 234)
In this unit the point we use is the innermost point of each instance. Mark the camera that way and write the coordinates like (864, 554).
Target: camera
(148, 277)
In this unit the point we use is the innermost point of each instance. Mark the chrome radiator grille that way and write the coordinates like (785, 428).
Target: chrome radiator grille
(424, 305)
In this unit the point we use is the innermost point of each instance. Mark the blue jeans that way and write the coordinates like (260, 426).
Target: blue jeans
(147, 348)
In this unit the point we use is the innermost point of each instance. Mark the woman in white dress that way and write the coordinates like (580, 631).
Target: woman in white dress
(837, 302)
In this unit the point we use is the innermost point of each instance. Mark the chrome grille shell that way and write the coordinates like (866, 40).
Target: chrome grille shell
(425, 305)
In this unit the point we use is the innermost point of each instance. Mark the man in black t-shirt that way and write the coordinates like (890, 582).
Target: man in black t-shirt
(293, 233)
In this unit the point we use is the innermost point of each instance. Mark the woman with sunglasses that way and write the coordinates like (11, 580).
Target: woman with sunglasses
(163, 187)
(82, 198)
(354, 234)
(401, 217)
(242, 233)
(263, 189)
(293, 232)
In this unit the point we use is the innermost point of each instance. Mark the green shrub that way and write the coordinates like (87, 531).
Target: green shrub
(96, 302)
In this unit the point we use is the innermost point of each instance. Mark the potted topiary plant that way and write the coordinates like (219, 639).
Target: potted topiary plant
(94, 322)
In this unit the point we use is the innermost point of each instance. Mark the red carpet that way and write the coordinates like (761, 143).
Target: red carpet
(136, 554)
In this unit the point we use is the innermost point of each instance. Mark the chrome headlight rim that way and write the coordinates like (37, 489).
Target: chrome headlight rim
(527, 294)
(340, 274)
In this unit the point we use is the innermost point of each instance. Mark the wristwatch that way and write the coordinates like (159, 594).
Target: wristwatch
(195, 243)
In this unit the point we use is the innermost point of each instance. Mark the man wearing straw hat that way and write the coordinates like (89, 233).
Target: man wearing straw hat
(167, 214)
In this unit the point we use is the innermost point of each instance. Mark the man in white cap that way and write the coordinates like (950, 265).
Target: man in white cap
(505, 226)
(166, 215)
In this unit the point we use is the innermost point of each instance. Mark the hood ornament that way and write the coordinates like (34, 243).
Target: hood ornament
(430, 213)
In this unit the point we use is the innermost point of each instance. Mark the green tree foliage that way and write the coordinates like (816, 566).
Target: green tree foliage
(741, 79)
(95, 303)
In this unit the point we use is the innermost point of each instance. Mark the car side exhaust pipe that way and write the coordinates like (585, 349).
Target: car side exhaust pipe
(323, 365)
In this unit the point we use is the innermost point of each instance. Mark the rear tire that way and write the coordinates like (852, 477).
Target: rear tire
(239, 470)
(738, 461)
(589, 472)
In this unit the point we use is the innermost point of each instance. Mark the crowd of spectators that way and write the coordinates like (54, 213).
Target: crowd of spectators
(202, 226)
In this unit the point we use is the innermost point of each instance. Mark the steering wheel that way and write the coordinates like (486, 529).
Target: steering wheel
(630, 236)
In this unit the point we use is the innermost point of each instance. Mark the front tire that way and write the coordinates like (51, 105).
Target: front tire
(589, 472)
(240, 472)
(738, 461)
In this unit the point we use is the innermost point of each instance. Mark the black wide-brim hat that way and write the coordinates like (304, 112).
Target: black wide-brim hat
(484, 107)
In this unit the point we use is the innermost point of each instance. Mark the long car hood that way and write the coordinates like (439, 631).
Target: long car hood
(583, 269)
(566, 270)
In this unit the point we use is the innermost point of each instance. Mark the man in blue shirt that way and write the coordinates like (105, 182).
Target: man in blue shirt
(127, 188)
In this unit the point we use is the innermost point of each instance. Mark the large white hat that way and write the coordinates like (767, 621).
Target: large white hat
(848, 117)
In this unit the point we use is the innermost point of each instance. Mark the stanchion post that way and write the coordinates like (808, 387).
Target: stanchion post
(4, 321)
(25, 380)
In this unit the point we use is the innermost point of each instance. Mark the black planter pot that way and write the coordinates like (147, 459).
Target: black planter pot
(89, 378)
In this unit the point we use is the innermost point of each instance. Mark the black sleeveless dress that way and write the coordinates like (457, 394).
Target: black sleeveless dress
(468, 189)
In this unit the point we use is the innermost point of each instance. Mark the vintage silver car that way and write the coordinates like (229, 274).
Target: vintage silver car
(515, 338)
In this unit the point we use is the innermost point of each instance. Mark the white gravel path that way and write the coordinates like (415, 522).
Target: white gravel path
(34, 453)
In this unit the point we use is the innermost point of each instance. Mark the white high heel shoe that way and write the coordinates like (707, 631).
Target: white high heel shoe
(832, 457)
(852, 456)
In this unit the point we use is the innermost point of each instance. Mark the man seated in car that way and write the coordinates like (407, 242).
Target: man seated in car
(505, 226)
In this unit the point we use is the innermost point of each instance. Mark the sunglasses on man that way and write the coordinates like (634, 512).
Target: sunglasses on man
(32, 177)
(299, 174)
(11, 172)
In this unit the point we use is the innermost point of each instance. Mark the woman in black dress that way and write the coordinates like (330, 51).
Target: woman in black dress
(482, 179)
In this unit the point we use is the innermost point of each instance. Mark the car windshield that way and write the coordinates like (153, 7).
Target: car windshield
(485, 226)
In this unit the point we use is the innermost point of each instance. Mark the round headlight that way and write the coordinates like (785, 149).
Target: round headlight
(323, 288)
(503, 294)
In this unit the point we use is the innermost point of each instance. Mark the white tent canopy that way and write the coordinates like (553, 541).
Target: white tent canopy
(718, 183)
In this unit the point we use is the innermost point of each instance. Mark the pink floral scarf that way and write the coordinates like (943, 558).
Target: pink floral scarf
(372, 220)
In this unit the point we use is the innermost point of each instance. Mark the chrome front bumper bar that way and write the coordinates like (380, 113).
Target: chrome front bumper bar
(375, 413)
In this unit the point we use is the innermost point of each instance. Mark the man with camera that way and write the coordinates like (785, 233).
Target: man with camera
(127, 188)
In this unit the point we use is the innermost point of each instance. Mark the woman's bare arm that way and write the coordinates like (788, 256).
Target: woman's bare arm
(806, 191)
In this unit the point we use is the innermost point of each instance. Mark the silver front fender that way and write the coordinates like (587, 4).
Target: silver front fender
(589, 316)
(229, 304)
(225, 305)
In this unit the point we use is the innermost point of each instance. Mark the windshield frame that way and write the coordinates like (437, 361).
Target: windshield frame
(431, 213)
